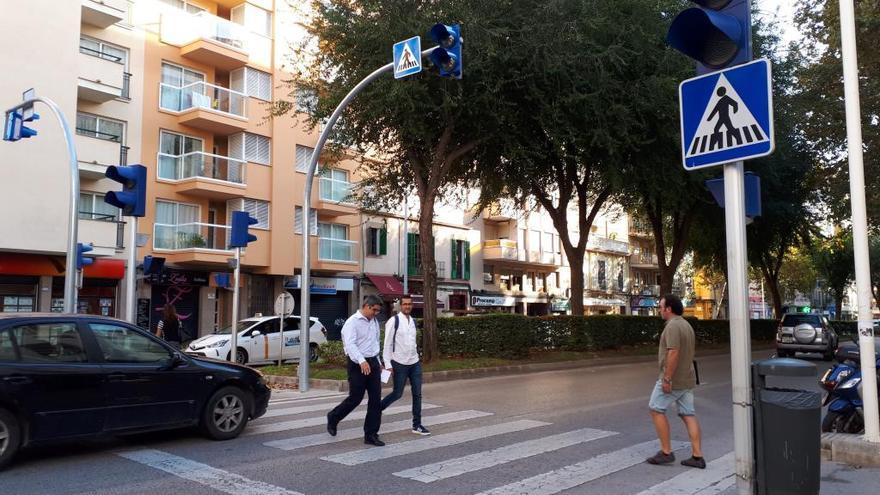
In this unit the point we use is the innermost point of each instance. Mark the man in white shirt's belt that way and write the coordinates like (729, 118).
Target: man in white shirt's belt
(401, 356)
(360, 338)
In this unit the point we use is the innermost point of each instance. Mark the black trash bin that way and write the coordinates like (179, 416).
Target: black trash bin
(787, 430)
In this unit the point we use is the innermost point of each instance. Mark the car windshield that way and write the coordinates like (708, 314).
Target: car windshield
(795, 320)
(242, 326)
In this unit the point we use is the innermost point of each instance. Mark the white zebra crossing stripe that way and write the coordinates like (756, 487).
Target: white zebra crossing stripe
(482, 460)
(574, 475)
(203, 474)
(717, 477)
(297, 400)
(296, 424)
(287, 411)
(352, 433)
(427, 443)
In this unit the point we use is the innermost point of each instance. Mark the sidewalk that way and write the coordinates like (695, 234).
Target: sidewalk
(850, 449)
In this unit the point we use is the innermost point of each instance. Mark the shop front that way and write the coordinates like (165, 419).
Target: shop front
(603, 306)
(329, 302)
(645, 305)
(182, 289)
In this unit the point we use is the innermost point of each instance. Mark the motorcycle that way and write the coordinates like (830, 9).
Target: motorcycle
(843, 384)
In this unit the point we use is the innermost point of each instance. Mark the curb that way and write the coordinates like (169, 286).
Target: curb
(472, 373)
(850, 449)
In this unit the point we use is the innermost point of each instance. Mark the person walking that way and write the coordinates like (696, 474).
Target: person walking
(676, 383)
(169, 327)
(360, 339)
(401, 357)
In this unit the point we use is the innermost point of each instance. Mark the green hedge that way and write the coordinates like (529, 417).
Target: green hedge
(502, 335)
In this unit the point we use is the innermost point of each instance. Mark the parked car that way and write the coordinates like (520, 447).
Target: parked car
(259, 341)
(67, 376)
(806, 332)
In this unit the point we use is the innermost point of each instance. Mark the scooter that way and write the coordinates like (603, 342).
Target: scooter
(843, 383)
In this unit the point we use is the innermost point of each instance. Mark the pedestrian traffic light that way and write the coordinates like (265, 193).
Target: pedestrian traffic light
(239, 237)
(153, 265)
(447, 56)
(133, 196)
(15, 129)
(717, 34)
(81, 260)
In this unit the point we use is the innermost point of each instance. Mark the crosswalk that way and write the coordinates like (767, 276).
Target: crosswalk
(467, 445)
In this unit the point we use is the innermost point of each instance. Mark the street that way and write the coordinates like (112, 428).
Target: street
(574, 431)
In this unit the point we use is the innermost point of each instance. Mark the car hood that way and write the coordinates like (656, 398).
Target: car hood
(221, 364)
(210, 339)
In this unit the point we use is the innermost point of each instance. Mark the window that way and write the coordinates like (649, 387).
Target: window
(257, 149)
(18, 304)
(255, 19)
(49, 343)
(548, 246)
(534, 241)
(184, 5)
(303, 154)
(255, 208)
(461, 260)
(93, 207)
(377, 241)
(600, 274)
(174, 166)
(298, 221)
(176, 90)
(252, 82)
(100, 127)
(104, 50)
(7, 351)
(123, 345)
(334, 185)
(333, 242)
(414, 255)
(176, 226)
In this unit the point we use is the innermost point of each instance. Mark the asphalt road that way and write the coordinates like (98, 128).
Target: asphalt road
(573, 431)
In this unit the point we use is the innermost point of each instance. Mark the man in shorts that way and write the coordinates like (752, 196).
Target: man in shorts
(676, 383)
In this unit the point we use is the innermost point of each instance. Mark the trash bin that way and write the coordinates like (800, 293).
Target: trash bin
(787, 431)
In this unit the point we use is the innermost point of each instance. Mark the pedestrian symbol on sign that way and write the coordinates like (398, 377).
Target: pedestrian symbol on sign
(407, 57)
(728, 125)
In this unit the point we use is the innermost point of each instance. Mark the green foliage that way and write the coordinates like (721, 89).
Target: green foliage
(845, 329)
(501, 335)
(331, 352)
(834, 261)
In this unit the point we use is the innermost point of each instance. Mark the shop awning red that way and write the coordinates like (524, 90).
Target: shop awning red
(42, 265)
(387, 285)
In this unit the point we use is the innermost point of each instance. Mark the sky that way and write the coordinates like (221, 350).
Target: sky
(785, 9)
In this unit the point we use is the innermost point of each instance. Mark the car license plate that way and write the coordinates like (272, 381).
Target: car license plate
(787, 340)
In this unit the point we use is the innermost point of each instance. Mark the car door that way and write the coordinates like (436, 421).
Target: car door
(257, 344)
(53, 379)
(291, 338)
(143, 388)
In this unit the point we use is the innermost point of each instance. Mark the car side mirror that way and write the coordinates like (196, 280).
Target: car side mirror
(256, 333)
(176, 360)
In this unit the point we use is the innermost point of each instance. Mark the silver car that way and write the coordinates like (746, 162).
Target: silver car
(805, 332)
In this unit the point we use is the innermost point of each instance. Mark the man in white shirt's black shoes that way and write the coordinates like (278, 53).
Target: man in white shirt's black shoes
(401, 356)
(360, 339)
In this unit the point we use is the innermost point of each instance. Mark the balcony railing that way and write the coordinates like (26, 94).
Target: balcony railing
(336, 249)
(334, 190)
(643, 259)
(123, 155)
(201, 164)
(103, 217)
(100, 54)
(211, 27)
(205, 96)
(106, 136)
(190, 236)
(126, 85)
(598, 243)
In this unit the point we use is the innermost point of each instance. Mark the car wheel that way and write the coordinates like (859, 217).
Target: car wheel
(10, 437)
(226, 413)
(314, 354)
(241, 356)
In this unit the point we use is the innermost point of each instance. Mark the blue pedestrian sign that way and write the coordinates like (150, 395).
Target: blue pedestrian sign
(727, 115)
(408, 57)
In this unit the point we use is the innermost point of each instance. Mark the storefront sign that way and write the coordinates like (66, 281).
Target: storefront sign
(178, 277)
(598, 301)
(321, 285)
(477, 301)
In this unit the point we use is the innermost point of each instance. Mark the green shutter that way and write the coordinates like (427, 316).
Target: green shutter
(383, 241)
(453, 273)
(467, 260)
(412, 261)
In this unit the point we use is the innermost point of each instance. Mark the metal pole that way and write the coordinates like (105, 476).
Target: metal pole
(131, 273)
(859, 218)
(281, 333)
(305, 321)
(234, 338)
(406, 244)
(740, 341)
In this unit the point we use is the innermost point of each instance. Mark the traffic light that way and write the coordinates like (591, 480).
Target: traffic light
(239, 237)
(717, 34)
(15, 129)
(133, 196)
(153, 265)
(81, 260)
(447, 57)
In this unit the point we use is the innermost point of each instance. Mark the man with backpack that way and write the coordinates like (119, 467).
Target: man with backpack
(401, 357)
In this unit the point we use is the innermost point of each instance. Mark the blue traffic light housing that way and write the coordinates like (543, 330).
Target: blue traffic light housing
(133, 197)
(153, 265)
(447, 56)
(14, 128)
(717, 34)
(81, 260)
(239, 237)
(752, 185)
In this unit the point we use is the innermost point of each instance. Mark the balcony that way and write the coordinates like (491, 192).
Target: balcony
(206, 39)
(333, 196)
(192, 242)
(506, 252)
(95, 151)
(105, 232)
(204, 106)
(643, 260)
(499, 250)
(203, 174)
(102, 76)
(500, 211)
(606, 245)
(334, 255)
(646, 290)
(103, 13)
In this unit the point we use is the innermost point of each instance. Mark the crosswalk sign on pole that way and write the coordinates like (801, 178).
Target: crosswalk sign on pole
(727, 115)
(408, 57)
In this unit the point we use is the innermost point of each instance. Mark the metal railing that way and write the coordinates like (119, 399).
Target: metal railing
(336, 249)
(211, 27)
(104, 217)
(334, 190)
(106, 136)
(644, 259)
(201, 164)
(98, 53)
(203, 95)
(193, 235)
(123, 155)
(126, 86)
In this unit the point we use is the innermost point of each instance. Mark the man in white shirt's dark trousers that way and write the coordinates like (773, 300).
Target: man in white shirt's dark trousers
(360, 339)
(401, 356)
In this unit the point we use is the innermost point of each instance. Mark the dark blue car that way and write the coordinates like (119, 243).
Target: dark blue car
(69, 376)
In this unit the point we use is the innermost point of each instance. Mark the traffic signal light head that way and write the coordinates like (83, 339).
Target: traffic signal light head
(153, 265)
(447, 56)
(81, 260)
(717, 34)
(239, 237)
(14, 128)
(133, 197)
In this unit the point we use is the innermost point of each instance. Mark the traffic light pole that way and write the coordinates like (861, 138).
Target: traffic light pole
(131, 273)
(305, 320)
(859, 219)
(233, 348)
(740, 340)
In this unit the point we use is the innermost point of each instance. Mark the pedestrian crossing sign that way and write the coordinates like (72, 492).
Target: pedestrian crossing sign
(727, 116)
(408, 57)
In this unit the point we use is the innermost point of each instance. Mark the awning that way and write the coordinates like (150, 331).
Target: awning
(387, 285)
(40, 264)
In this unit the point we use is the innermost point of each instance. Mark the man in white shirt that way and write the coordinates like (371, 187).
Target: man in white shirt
(401, 356)
(360, 338)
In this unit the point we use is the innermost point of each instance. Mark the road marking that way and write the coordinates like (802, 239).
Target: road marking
(352, 433)
(287, 411)
(322, 420)
(716, 478)
(310, 398)
(575, 475)
(482, 460)
(427, 443)
(217, 479)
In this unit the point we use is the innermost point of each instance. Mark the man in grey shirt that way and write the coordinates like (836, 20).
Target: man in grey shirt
(360, 338)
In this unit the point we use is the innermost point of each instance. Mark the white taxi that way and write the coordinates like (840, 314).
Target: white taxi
(259, 341)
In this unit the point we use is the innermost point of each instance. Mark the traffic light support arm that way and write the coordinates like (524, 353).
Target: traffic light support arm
(70, 275)
(305, 320)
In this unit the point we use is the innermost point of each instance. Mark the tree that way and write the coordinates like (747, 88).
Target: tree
(796, 276)
(834, 262)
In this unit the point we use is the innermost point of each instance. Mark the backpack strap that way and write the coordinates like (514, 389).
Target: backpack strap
(396, 326)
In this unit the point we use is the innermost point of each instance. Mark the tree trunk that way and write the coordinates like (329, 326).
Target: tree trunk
(773, 286)
(430, 342)
(838, 302)
(667, 273)
(576, 265)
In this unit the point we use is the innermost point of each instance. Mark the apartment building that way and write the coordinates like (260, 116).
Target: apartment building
(644, 267)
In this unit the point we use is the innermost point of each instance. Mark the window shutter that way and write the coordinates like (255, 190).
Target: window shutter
(298, 220)
(259, 84)
(383, 241)
(303, 153)
(236, 146)
(454, 261)
(467, 260)
(257, 148)
(313, 222)
(412, 261)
